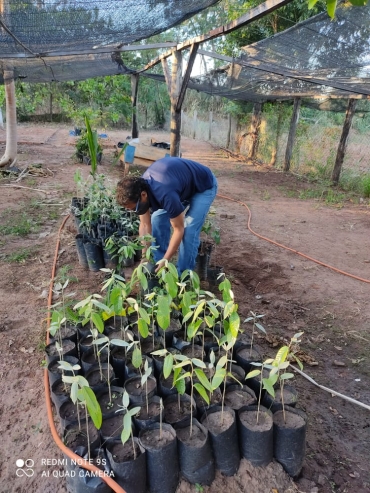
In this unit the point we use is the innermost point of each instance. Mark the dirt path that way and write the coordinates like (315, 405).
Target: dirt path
(291, 292)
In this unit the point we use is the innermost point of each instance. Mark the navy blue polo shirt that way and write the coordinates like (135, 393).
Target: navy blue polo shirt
(173, 180)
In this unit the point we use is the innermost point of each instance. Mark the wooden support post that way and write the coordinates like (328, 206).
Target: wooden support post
(166, 73)
(254, 130)
(176, 82)
(195, 116)
(228, 137)
(134, 91)
(210, 126)
(292, 132)
(351, 107)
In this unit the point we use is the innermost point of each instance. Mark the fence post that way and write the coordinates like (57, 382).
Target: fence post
(343, 141)
(292, 132)
(195, 116)
(228, 137)
(134, 91)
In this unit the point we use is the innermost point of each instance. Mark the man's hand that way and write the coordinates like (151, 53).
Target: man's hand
(160, 264)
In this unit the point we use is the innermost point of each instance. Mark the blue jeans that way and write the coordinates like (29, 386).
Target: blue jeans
(199, 205)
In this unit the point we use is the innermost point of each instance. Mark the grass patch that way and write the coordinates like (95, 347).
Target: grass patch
(19, 256)
(17, 224)
(28, 219)
(64, 274)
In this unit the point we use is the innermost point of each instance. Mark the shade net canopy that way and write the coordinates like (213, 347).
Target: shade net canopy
(31, 31)
(318, 58)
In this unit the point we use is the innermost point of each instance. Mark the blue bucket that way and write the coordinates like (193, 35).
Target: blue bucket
(129, 154)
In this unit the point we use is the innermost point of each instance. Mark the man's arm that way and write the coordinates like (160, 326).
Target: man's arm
(178, 227)
(145, 228)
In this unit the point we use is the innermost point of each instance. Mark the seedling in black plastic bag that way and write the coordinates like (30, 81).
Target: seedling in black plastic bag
(127, 421)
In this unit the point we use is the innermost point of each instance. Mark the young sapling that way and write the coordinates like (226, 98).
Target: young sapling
(281, 362)
(255, 319)
(127, 421)
(83, 394)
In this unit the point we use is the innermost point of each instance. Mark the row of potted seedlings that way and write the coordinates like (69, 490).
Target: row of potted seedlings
(158, 383)
(107, 233)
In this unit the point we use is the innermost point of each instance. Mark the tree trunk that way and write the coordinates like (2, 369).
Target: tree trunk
(343, 141)
(176, 81)
(254, 130)
(134, 91)
(10, 155)
(292, 132)
(278, 133)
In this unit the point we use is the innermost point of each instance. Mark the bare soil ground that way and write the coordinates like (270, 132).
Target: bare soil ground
(292, 292)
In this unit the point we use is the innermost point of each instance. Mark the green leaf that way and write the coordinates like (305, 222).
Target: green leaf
(234, 324)
(218, 377)
(286, 376)
(187, 316)
(74, 392)
(144, 315)
(180, 386)
(253, 374)
(163, 311)
(173, 271)
(273, 378)
(228, 308)
(171, 284)
(212, 309)
(133, 411)
(331, 5)
(92, 406)
(358, 3)
(312, 3)
(182, 364)
(143, 328)
(136, 357)
(298, 362)
(119, 342)
(125, 435)
(193, 329)
(181, 357)
(185, 302)
(198, 362)
(202, 392)
(234, 378)
(198, 310)
(221, 362)
(159, 352)
(203, 379)
(210, 321)
(69, 379)
(281, 355)
(64, 365)
(167, 365)
(98, 322)
(267, 385)
(125, 399)
(92, 140)
(262, 329)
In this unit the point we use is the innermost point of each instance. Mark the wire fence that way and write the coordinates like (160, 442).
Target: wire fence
(316, 142)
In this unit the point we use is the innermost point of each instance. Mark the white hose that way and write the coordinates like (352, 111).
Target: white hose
(333, 392)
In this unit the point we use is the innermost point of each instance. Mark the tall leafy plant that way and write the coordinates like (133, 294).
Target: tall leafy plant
(92, 140)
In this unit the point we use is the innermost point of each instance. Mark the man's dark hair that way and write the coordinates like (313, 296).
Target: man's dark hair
(129, 189)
